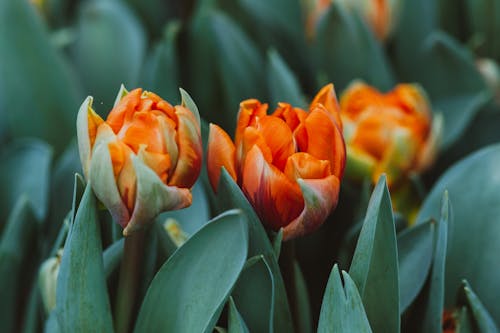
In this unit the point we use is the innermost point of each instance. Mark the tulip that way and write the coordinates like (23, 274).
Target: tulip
(47, 280)
(391, 133)
(288, 164)
(144, 158)
(379, 15)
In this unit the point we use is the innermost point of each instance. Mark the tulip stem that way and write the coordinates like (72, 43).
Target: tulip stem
(130, 270)
(287, 262)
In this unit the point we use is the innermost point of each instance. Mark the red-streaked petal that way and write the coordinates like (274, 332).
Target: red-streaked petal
(276, 200)
(144, 129)
(158, 162)
(249, 110)
(293, 117)
(324, 140)
(320, 199)
(304, 165)
(326, 97)
(190, 150)
(278, 138)
(252, 137)
(220, 153)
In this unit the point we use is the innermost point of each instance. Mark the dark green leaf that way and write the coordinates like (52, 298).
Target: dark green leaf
(277, 242)
(464, 321)
(112, 257)
(342, 309)
(341, 35)
(281, 82)
(109, 49)
(415, 248)
(304, 320)
(230, 196)
(38, 93)
(484, 24)
(235, 321)
(82, 303)
(16, 244)
(17, 176)
(213, 257)
(374, 266)
(473, 245)
(433, 305)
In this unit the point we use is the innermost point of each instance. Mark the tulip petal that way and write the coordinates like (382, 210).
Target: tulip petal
(169, 138)
(121, 93)
(153, 197)
(87, 122)
(324, 140)
(188, 102)
(429, 150)
(220, 153)
(124, 110)
(249, 110)
(190, 149)
(102, 180)
(326, 97)
(276, 200)
(293, 117)
(304, 165)
(278, 138)
(320, 198)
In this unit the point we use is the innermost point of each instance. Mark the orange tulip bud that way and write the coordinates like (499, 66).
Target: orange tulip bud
(144, 158)
(288, 164)
(389, 133)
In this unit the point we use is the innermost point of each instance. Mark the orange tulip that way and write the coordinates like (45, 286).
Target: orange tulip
(288, 164)
(379, 15)
(144, 158)
(389, 133)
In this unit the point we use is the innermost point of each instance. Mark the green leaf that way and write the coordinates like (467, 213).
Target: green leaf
(230, 196)
(433, 304)
(38, 93)
(18, 178)
(464, 321)
(112, 256)
(254, 295)
(481, 316)
(374, 266)
(161, 70)
(282, 83)
(472, 185)
(342, 35)
(213, 257)
(342, 309)
(277, 242)
(483, 18)
(109, 49)
(236, 324)
(188, 102)
(304, 319)
(415, 248)
(16, 245)
(82, 303)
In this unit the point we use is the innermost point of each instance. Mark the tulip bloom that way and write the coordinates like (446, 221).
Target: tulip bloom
(389, 133)
(144, 158)
(288, 164)
(379, 15)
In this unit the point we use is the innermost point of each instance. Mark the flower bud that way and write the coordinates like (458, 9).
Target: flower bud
(144, 158)
(47, 281)
(288, 164)
(391, 133)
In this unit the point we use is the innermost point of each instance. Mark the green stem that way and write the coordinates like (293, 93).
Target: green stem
(130, 270)
(286, 261)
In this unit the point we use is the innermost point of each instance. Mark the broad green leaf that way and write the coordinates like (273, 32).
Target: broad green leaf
(39, 95)
(236, 324)
(18, 176)
(342, 35)
(161, 70)
(282, 83)
(112, 257)
(303, 307)
(481, 316)
(154, 13)
(483, 18)
(415, 248)
(109, 49)
(374, 266)
(254, 295)
(239, 64)
(433, 303)
(82, 303)
(342, 309)
(472, 185)
(16, 244)
(213, 257)
(230, 196)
